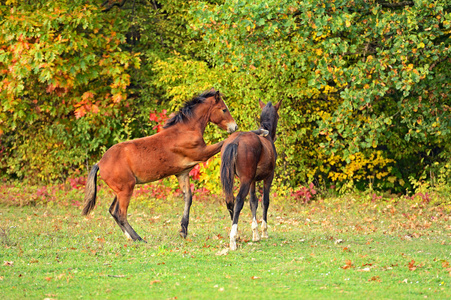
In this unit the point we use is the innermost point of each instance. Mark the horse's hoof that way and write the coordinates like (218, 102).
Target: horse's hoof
(183, 234)
(232, 246)
(255, 237)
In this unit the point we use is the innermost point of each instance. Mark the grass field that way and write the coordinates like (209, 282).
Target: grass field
(333, 248)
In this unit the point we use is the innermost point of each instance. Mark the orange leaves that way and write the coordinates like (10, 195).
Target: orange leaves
(85, 106)
(117, 98)
(348, 265)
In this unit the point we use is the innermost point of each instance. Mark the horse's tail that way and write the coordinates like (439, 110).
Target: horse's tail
(91, 190)
(228, 167)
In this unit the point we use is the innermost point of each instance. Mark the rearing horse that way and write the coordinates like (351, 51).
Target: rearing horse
(252, 158)
(173, 151)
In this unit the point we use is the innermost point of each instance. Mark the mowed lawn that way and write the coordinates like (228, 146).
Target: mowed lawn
(349, 247)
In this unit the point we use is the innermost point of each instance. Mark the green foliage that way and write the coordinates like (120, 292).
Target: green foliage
(379, 69)
(364, 84)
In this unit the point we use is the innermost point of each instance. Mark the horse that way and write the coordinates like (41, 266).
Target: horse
(251, 157)
(175, 150)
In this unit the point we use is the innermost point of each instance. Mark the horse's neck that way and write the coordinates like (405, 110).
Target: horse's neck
(200, 120)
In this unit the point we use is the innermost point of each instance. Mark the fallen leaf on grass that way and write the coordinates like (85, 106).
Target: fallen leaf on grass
(348, 265)
(339, 241)
(155, 281)
(364, 270)
(412, 266)
(8, 263)
(224, 251)
(116, 276)
(48, 278)
(255, 277)
(374, 278)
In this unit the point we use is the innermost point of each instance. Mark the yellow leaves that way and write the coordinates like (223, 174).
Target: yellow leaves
(360, 166)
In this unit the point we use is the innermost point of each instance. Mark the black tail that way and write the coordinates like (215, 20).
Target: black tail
(91, 190)
(228, 167)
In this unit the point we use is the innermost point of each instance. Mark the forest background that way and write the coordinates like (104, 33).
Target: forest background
(365, 85)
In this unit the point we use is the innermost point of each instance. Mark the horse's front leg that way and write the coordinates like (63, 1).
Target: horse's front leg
(183, 179)
(204, 153)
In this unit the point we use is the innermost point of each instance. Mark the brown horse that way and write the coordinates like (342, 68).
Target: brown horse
(173, 151)
(252, 158)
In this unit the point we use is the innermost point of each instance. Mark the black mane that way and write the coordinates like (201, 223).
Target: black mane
(268, 119)
(186, 111)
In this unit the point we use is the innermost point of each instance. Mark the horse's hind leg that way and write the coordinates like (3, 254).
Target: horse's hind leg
(118, 210)
(254, 204)
(239, 202)
(266, 188)
(187, 196)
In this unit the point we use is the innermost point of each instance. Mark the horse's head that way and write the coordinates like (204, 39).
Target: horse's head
(269, 117)
(220, 114)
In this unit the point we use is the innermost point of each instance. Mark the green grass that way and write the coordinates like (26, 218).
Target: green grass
(333, 248)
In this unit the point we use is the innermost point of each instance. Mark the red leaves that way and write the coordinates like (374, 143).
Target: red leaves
(160, 118)
(305, 194)
(195, 172)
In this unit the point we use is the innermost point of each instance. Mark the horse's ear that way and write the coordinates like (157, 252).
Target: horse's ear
(278, 105)
(217, 96)
(261, 103)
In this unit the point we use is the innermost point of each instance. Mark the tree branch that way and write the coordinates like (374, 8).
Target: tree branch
(394, 5)
(437, 62)
(108, 5)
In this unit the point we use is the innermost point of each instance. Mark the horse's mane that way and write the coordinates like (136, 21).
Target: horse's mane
(265, 118)
(186, 111)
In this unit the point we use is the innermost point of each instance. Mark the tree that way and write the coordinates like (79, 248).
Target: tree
(62, 71)
(375, 69)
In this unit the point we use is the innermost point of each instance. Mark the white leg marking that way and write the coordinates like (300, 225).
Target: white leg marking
(233, 233)
(255, 235)
(128, 235)
(264, 230)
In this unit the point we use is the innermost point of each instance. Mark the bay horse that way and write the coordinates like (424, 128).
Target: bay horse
(251, 157)
(173, 151)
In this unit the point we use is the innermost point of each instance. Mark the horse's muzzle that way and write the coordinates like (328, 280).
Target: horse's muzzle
(232, 127)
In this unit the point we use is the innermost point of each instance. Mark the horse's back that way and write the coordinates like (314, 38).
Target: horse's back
(143, 159)
(255, 155)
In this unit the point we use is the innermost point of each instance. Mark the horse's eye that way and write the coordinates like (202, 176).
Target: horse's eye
(224, 110)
